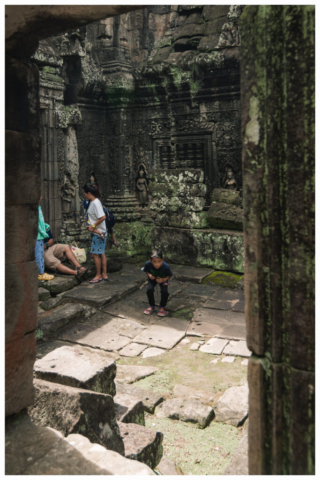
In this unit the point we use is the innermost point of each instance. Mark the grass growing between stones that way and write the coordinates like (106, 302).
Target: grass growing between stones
(195, 451)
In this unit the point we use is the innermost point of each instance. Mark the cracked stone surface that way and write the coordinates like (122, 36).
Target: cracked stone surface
(122, 326)
(132, 350)
(128, 409)
(191, 274)
(165, 333)
(237, 348)
(149, 399)
(214, 346)
(95, 337)
(152, 352)
(62, 316)
(142, 444)
(133, 373)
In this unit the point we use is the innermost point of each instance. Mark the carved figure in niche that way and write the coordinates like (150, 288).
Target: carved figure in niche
(229, 182)
(142, 186)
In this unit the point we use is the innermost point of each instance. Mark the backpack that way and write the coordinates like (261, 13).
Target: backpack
(110, 220)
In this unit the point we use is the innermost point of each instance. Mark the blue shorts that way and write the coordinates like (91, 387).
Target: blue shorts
(98, 245)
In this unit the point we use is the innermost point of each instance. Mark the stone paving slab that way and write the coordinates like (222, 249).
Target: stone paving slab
(131, 311)
(239, 306)
(62, 316)
(166, 333)
(186, 411)
(228, 359)
(226, 294)
(46, 347)
(128, 409)
(233, 332)
(142, 444)
(217, 316)
(99, 294)
(78, 367)
(153, 352)
(179, 303)
(59, 284)
(149, 399)
(203, 328)
(94, 337)
(132, 350)
(214, 346)
(133, 373)
(237, 348)
(51, 303)
(43, 294)
(194, 347)
(220, 304)
(190, 274)
(122, 326)
(205, 291)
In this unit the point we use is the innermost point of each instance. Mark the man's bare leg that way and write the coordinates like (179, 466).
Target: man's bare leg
(68, 271)
(104, 266)
(70, 256)
(97, 262)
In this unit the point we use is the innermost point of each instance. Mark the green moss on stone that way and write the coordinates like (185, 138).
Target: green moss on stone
(224, 279)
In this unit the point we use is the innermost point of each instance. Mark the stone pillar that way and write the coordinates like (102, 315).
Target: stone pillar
(277, 95)
(23, 187)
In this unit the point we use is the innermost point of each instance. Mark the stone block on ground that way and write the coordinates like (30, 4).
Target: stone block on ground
(132, 350)
(245, 362)
(168, 467)
(74, 410)
(51, 322)
(232, 407)
(122, 326)
(133, 373)
(190, 274)
(142, 444)
(239, 464)
(46, 347)
(152, 352)
(44, 294)
(194, 347)
(228, 359)
(100, 338)
(107, 460)
(51, 303)
(190, 393)
(78, 367)
(186, 411)
(129, 409)
(59, 284)
(149, 399)
(237, 348)
(214, 346)
(165, 333)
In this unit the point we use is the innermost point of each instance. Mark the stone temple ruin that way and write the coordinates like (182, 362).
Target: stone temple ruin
(152, 93)
(197, 123)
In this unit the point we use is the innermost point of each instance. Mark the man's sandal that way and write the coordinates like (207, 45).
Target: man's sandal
(80, 273)
(45, 276)
(149, 310)
(162, 312)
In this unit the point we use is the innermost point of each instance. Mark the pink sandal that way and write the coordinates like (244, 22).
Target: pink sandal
(149, 310)
(162, 312)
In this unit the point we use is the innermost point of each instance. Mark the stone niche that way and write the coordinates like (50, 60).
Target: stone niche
(156, 89)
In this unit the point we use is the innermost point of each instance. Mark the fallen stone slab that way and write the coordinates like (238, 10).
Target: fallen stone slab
(194, 347)
(128, 409)
(168, 467)
(191, 274)
(220, 304)
(232, 407)
(237, 348)
(165, 333)
(152, 352)
(100, 338)
(98, 295)
(34, 450)
(133, 373)
(59, 284)
(142, 444)
(46, 347)
(228, 359)
(74, 410)
(149, 399)
(190, 393)
(106, 460)
(78, 367)
(50, 323)
(214, 346)
(51, 303)
(186, 411)
(132, 350)
(122, 326)
(43, 294)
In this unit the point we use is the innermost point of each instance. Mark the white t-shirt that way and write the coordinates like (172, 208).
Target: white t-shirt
(95, 212)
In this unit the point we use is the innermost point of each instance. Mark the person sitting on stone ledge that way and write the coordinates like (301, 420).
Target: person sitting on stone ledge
(159, 272)
(55, 252)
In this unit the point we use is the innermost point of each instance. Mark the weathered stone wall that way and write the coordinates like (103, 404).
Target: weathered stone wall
(277, 88)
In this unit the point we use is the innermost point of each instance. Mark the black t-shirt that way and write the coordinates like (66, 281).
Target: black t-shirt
(162, 272)
(48, 237)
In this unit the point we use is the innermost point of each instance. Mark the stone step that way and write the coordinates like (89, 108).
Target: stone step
(190, 274)
(43, 294)
(35, 450)
(51, 322)
(186, 411)
(149, 399)
(74, 410)
(59, 284)
(51, 303)
(142, 444)
(128, 409)
(79, 367)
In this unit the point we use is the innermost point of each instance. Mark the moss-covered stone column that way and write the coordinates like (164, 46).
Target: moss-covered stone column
(277, 94)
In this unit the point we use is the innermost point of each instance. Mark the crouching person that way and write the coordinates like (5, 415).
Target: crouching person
(159, 272)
